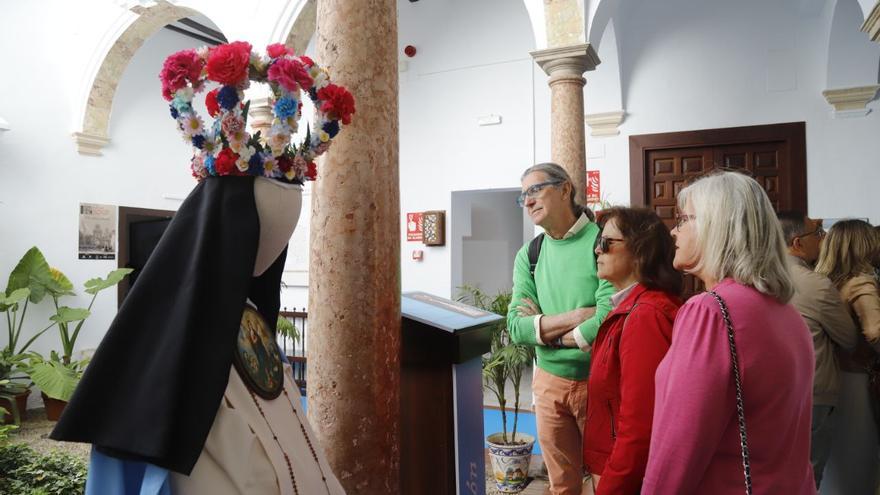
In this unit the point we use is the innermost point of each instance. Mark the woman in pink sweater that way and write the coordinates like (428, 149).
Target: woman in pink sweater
(728, 237)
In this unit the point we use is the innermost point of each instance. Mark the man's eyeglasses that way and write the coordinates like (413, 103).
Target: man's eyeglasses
(604, 243)
(819, 233)
(683, 219)
(533, 191)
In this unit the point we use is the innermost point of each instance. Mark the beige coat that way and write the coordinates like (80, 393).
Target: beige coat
(862, 298)
(830, 324)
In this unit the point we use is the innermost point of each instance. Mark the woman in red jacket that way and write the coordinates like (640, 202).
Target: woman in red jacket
(635, 253)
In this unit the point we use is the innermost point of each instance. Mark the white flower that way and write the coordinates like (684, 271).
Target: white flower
(185, 93)
(246, 152)
(270, 166)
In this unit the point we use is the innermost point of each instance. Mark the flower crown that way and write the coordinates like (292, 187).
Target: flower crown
(226, 148)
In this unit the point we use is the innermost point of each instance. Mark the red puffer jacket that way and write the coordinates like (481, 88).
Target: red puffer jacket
(630, 344)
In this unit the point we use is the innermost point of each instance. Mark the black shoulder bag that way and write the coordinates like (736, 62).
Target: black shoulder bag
(740, 410)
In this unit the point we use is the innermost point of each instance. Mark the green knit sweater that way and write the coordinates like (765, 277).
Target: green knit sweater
(565, 279)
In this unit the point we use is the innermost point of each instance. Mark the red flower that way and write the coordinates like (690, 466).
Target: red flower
(276, 50)
(336, 102)
(285, 163)
(312, 172)
(290, 73)
(178, 70)
(228, 64)
(307, 61)
(225, 162)
(211, 102)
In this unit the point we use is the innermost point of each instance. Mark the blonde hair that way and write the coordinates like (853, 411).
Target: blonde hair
(738, 234)
(848, 250)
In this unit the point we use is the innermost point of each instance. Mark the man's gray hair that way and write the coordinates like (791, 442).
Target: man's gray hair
(793, 224)
(555, 172)
(738, 234)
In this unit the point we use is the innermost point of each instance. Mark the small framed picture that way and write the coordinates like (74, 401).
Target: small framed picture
(434, 228)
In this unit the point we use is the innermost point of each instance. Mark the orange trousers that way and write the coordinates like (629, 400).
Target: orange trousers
(560, 411)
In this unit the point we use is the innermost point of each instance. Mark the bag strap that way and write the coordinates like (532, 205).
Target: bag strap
(534, 252)
(740, 410)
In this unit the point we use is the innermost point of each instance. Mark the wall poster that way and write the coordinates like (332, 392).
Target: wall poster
(97, 232)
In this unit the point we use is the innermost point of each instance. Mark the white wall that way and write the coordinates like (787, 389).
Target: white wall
(697, 65)
(43, 179)
(473, 60)
(486, 232)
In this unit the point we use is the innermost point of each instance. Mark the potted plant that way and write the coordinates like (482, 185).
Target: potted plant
(58, 376)
(28, 284)
(505, 362)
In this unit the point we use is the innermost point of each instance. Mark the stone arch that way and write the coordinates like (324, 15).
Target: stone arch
(297, 24)
(121, 41)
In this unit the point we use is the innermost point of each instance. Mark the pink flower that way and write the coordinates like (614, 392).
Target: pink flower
(306, 60)
(290, 73)
(276, 50)
(228, 64)
(178, 70)
(231, 124)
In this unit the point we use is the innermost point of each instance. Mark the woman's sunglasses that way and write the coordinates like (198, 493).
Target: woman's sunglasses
(604, 243)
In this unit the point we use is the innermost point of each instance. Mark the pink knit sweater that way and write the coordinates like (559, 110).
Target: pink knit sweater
(695, 445)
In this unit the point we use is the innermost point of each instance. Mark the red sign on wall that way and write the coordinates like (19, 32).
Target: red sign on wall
(414, 227)
(593, 193)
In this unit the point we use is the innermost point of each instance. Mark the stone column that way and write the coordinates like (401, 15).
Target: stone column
(566, 66)
(354, 264)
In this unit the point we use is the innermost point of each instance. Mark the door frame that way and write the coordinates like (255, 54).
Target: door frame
(126, 216)
(793, 134)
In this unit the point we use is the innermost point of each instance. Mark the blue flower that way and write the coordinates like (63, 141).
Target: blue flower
(255, 164)
(181, 105)
(227, 97)
(198, 141)
(331, 127)
(209, 164)
(286, 107)
(174, 112)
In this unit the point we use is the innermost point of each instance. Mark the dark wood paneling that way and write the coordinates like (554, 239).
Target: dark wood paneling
(662, 164)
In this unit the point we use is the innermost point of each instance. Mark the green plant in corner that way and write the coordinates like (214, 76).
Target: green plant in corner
(505, 360)
(28, 284)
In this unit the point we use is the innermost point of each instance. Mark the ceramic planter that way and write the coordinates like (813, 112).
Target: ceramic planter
(510, 463)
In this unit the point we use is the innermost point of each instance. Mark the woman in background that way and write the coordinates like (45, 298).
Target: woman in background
(846, 258)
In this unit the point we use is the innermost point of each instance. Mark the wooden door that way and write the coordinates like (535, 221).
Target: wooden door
(662, 164)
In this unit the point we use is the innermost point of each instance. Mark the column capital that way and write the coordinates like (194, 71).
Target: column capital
(872, 23)
(571, 61)
(851, 102)
(88, 143)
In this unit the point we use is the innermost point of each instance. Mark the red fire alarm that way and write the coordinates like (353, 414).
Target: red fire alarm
(410, 51)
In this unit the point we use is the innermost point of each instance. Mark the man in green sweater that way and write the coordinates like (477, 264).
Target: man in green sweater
(558, 310)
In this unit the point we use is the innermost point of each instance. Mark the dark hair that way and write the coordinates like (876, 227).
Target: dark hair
(793, 224)
(556, 172)
(651, 245)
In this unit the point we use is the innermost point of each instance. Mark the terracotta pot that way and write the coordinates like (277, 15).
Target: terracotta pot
(510, 463)
(21, 402)
(54, 407)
